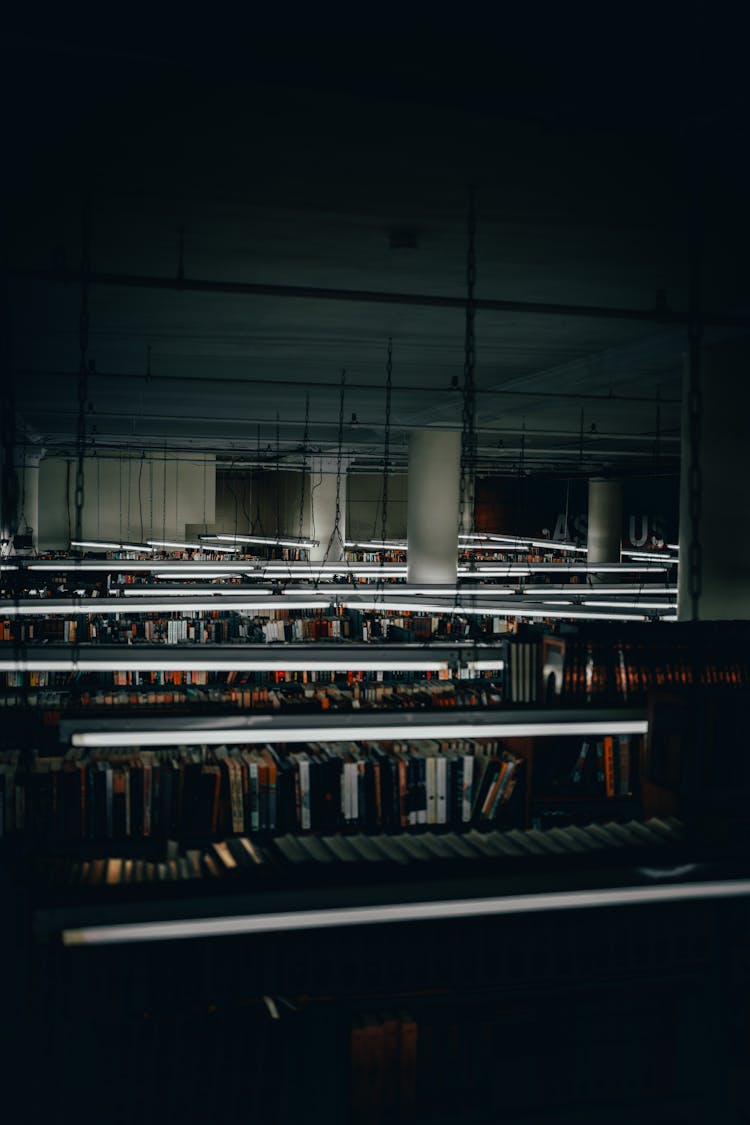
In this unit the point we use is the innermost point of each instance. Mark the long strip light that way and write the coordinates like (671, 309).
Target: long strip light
(264, 540)
(629, 605)
(279, 567)
(524, 610)
(175, 929)
(231, 590)
(191, 573)
(179, 544)
(583, 589)
(103, 545)
(376, 544)
(275, 661)
(521, 541)
(47, 607)
(553, 608)
(651, 556)
(265, 731)
(127, 566)
(561, 568)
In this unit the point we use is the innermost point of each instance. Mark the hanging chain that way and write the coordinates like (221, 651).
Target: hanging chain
(164, 496)
(336, 531)
(83, 345)
(205, 526)
(305, 439)
(386, 447)
(151, 496)
(468, 433)
(257, 522)
(278, 480)
(695, 477)
(694, 399)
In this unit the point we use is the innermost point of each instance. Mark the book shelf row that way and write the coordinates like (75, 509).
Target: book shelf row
(245, 860)
(204, 792)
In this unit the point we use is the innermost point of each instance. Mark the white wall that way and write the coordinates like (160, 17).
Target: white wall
(124, 498)
(253, 499)
(364, 505)
(247, 502)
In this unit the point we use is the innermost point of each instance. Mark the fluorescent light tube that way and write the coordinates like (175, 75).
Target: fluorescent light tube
(278, 662)
(522, 541)
(265, 540)
(327, 731)
(101, 545)
(180, 545)
(175, 929)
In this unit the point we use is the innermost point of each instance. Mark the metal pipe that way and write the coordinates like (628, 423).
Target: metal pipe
(140, 376)
(310, 292)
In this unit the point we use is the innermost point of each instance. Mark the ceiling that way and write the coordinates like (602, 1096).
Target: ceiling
(261, 221)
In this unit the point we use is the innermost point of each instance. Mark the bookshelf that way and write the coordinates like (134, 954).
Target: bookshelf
(339, 921)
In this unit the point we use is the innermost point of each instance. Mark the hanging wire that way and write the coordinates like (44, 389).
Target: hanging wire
(164, 496)
(386, 458)
(178, 531)
(387, 439)
(336, 530)
(468, 432)
(694, 392)
(151, 497)
(305, 440)
(205, 525)
(140, 494)
(119, 479)
(130, 491)
(278, 480)
(257, 524)
(83, 347)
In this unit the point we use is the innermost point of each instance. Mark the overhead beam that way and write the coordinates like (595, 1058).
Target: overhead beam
(657, 315)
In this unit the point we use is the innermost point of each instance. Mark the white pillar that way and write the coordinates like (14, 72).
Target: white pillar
(323, 476)
(724, 526)
(467, 521)
(26, 464)
(605, 520)
(432, 512)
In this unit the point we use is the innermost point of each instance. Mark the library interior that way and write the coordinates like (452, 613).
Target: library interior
(374, 585)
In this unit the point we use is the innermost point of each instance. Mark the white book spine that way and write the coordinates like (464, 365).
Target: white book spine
(304, 783)
(468, 788)
(441, 769)
(431, 787)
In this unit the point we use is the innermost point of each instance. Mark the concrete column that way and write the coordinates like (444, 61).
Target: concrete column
(469, 501)
(605, 520)
(432, 511)
(27, 470)
(724, 526)
(323, 509)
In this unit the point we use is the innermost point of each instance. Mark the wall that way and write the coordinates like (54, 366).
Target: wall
(124, 498)
(250, 499)
(526, 506)
(364, 506)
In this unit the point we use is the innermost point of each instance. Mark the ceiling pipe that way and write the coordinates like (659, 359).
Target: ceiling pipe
(658, 315)
(140, 376)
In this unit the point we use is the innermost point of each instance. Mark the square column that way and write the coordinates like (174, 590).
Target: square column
(433, 503)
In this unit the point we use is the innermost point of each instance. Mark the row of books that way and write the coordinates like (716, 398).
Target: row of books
(316, 787)
(285, 697)
(383, 1051)
(374, 853)
(609, 669)
(221, 627)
